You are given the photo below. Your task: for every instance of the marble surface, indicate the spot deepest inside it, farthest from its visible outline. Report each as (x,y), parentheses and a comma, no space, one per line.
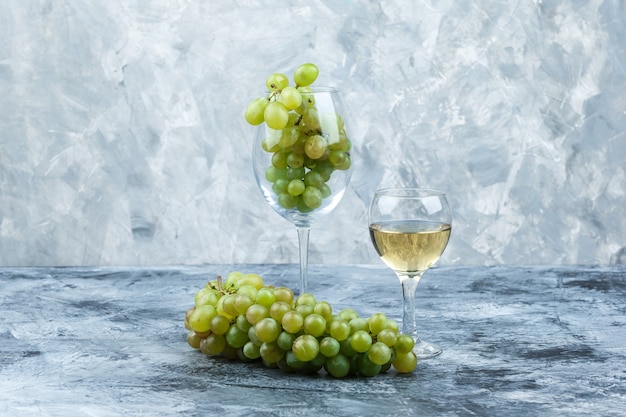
(520,341)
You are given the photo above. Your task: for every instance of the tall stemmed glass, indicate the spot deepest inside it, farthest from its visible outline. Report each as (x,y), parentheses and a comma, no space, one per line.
(410,228)
(304,169)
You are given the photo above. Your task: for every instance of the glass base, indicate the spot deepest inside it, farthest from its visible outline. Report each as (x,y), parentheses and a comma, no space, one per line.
(425,350)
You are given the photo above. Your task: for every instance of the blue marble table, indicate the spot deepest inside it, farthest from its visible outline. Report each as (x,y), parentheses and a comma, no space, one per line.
(524,341)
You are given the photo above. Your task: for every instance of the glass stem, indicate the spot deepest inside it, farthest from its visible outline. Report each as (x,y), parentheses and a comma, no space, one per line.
(303,248)
(409,287)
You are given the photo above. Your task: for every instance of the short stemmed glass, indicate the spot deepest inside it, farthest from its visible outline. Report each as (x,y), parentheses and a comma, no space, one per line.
(410,229)
(304,169)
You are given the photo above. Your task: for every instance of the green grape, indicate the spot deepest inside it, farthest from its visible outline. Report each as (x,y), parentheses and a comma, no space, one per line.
(298,146)
(193,339)
(288,201)
(255,111)
(337,158)
(247,289)
(377,322)
(325,169)
(276,115)
(345,347)
(340,329)
(214,344)
(344,164)
(272,173)
(310,120)
(256,313)
(312,197)
(360,341)
(285,340)
(288,137)
(276,82)
(314,179)
(219,324)
(388,337)
(404,344)
(306,299)
(228,305)
(233,278)
(305,347)
(280,186)
(293,362)
(242,322)
(291,97)
(292,321)
(329,346)
(220,308)
(295,173)
(324,309)
(295,187)
(267,330)
(314,324)
(200,319)
(252,336)
(348,314)
(284,294)
(315,147)
(265,296)
(284,366)
(236,337)
(359,323)
(279,309)
(295,160)
(379,353)
(187,315)
(314,365)
(230,352)
(279,159)
(270,145)
(242,302)
(305,74)
(270,352)
(367,367)
(392,325)
(325,190)
(405,362)
(302,207)
(338,365)
(206,296)
(254,280)
(252,351)
(342,144)
(305,309)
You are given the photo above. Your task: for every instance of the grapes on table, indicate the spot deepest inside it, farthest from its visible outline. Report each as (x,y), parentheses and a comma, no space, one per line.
(245,319)
(306,146)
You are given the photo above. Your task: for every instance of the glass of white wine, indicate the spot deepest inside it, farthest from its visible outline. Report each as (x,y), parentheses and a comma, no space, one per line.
(410,229)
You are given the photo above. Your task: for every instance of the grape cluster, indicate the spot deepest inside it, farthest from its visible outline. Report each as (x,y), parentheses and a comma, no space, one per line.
(244,319)
(306,145)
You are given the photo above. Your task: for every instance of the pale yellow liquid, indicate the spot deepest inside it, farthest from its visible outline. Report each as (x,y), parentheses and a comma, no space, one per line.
(410,246)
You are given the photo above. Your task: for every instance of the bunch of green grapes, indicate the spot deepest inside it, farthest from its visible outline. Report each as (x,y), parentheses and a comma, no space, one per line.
(306,149)
(244,319)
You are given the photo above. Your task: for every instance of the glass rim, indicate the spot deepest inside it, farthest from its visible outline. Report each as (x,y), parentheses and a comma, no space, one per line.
(317,89)
(407,191)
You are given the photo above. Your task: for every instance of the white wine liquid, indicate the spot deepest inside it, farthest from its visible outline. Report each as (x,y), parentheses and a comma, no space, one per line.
(410,246)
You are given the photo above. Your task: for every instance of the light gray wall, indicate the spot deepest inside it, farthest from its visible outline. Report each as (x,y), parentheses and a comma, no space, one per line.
(122,138)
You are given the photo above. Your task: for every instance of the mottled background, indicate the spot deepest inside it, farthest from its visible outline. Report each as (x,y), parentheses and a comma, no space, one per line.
(122,139)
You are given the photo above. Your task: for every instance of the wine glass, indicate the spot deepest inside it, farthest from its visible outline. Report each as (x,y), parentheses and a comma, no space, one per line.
(304,169)
(410,228)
